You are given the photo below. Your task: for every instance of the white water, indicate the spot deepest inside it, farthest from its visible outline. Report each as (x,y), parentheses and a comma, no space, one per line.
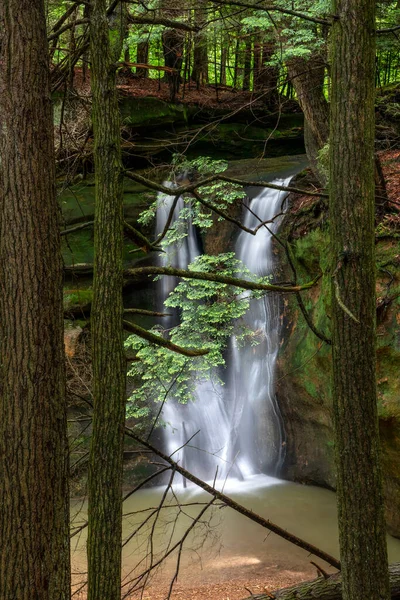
(237,427)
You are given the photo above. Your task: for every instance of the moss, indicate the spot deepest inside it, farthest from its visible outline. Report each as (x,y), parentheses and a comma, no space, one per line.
(305,387)
(145,112)
(77,298)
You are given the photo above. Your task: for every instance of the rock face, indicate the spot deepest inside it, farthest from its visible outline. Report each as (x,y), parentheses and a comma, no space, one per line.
(304,381)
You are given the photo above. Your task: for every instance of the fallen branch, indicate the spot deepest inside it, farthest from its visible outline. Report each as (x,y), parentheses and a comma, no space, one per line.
(76,228)
(147,313)
(325,589)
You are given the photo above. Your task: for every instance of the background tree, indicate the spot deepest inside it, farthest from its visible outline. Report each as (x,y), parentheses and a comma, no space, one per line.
(34,555)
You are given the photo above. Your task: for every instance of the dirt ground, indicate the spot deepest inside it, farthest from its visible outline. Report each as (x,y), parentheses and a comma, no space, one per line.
(237,588)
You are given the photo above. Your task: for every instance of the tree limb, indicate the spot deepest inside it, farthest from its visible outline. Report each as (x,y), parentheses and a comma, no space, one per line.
(240,283)
(160,341)
(139,239)
(158,187)
(261,7)
(170,23)
(76,228)
(147,313)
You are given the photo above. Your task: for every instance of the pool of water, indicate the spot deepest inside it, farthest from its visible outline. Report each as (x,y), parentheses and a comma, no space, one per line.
(223,545)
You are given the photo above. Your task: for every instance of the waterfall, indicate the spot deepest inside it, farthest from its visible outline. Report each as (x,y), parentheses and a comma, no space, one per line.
(236,427)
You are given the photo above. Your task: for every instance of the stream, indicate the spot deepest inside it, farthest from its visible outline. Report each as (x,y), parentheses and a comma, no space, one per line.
(226,546)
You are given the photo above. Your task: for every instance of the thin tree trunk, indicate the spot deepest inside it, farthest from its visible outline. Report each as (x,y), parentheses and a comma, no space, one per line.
(142,57)
(224,60)
(34,551)
(359,486)
(106,449)
(236,65)
(247,64)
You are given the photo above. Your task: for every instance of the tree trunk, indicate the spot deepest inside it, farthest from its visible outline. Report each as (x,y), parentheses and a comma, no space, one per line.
(266,77)
(173,43)
(326,589)
(307,78)
(200,52)
(247,65)
(142,57)
(224,59)
(359,487)
(34,555)
(106,449)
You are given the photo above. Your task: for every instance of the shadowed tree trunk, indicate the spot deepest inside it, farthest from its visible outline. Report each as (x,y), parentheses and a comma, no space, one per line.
(359,486)
(266,76)
(173,43)
(106,449)
(307,78)
(142,57)
(200,55)
(34,554)
(247,64)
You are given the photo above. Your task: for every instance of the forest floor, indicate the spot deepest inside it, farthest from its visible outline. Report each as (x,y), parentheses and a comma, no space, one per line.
(236,588)
(207,96)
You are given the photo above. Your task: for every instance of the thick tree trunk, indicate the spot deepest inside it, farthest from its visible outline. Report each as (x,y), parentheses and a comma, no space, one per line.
(200,52)
(266,76)
(106,449)
(326,589)
(359,486)
(173,45)
(34,552)
(307,78)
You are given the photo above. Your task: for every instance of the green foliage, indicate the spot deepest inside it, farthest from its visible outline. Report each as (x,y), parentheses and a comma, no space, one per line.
(219,194)
(73,298)
(210,314)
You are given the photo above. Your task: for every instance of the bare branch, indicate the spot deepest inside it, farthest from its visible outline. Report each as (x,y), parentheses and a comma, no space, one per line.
(76,228)
(261,7)
(158,187)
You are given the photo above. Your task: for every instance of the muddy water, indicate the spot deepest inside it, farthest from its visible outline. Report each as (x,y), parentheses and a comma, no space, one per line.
(224,546)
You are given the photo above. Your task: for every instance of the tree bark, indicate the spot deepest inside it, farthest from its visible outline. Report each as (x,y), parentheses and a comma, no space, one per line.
(34,554)
(247,64)
(266,77)
(200,51)
(359,486)
(142,58)
(307,78)
(106,449)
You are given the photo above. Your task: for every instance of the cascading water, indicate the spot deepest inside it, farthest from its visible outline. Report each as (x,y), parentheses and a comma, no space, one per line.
(256,426)
(225,420)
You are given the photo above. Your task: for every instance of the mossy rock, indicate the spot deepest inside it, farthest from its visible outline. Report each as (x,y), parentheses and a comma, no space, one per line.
(304,363)
(151,112)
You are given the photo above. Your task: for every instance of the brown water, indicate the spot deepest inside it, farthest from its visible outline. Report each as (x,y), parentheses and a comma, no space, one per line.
(224,545)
